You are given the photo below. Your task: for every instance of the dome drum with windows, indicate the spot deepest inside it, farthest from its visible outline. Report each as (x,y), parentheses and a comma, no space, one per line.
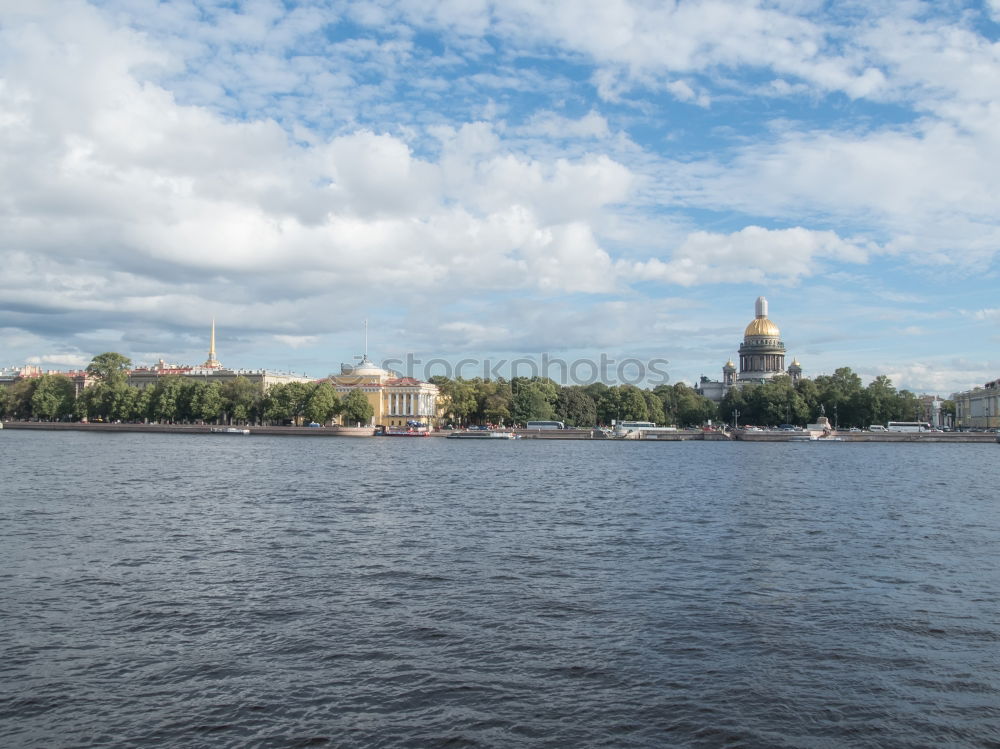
(762,354)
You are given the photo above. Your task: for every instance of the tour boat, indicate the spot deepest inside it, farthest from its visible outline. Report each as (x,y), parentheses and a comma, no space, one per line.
(229,430)
(483,435)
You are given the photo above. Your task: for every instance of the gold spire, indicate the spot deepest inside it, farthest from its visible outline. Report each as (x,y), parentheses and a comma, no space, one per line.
(212,362)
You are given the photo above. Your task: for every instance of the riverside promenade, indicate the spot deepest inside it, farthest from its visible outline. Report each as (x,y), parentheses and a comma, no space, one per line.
(681,435)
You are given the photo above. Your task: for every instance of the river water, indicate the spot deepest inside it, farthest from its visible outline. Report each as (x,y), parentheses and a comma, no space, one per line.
(230,591)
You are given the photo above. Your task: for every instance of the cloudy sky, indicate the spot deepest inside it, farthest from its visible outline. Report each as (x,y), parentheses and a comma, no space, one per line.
(492,179)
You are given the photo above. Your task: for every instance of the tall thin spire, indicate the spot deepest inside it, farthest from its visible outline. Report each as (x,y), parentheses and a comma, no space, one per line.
(366,338)
(212,361)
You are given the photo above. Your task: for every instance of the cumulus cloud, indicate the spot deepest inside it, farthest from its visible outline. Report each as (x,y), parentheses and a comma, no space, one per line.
(282,164)
(753,254)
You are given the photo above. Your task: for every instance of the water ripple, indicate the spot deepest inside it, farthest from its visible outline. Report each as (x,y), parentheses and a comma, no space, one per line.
(363,593)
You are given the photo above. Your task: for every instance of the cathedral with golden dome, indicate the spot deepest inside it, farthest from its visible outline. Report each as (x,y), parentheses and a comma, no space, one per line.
(761,355)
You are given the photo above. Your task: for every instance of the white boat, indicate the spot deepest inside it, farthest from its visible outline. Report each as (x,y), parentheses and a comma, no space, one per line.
(229,430)
(483,435)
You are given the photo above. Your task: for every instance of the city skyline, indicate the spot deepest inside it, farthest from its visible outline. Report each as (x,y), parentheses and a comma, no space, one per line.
(502,179)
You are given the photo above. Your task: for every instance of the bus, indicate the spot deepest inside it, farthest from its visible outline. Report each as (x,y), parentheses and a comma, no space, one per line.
(628,426)
(544,425)
(908,426)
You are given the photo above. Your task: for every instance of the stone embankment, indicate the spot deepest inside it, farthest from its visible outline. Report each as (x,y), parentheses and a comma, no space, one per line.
(777,436)
(190,429)
(681,435)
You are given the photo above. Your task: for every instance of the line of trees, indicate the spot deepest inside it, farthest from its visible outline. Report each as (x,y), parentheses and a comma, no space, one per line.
(841,396)
(177,399)
(522,399)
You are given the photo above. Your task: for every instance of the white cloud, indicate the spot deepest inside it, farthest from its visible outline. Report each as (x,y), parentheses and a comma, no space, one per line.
(297,341)
(553,125)
(989,314)
(61,360)
(157,155)
(753,254)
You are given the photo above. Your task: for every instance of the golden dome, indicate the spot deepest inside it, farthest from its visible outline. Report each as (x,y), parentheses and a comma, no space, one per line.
(761,326)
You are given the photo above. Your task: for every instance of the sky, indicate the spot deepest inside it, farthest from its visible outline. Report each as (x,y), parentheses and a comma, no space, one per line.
(488,181)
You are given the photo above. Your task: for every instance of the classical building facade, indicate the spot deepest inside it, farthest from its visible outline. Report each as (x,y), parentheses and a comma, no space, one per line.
(761,355)
(978,408)
(395,400)
(211,370)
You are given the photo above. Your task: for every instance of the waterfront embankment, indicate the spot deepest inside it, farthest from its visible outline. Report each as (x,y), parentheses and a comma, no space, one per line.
(681,435)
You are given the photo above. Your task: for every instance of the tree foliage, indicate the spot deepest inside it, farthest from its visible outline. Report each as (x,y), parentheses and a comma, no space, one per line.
(356,409)
(53,397)
(322,403)
(110,367)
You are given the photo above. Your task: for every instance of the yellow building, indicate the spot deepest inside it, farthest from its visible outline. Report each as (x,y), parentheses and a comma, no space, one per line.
(394,400)
(978,408)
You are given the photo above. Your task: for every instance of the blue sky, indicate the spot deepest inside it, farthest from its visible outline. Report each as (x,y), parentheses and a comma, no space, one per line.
(489,180)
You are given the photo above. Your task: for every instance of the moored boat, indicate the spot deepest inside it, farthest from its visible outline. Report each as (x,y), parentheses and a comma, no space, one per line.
(483,435)
(229,430)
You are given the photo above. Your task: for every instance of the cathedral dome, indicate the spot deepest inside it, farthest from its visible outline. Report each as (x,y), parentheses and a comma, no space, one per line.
(761,326)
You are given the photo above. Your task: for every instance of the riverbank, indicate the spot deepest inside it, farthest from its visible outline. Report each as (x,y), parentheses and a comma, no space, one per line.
(681,435)
(77,426)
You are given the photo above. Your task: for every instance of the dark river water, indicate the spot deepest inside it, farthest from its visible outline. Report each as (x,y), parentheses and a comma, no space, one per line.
(229,591)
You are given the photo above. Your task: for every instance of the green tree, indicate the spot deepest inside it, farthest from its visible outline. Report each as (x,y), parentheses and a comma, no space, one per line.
(881,401)
(53,397)
(654,408)
(908,407)
(531,403)
(808,391)
(692,409)
(843,396)
(356,409)
(117,400)
(732,409)
(4,402)
(165,402)
(497,402)
(207,403)
(775,402)
(322,403)
(608,405)
(575,407)
(142,405)
(242,399)
(632,404)
(297,394)
(110,368)
(459,398)
(19,397)
(277,404)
